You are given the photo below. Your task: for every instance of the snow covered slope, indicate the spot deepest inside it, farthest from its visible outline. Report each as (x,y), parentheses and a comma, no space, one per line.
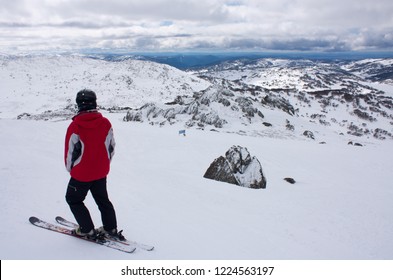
(35,84)
(339,208)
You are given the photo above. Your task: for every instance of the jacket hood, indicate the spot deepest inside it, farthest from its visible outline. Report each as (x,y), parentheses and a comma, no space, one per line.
(88,119)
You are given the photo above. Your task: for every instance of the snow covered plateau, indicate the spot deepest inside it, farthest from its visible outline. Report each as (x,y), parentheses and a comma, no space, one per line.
(327,125)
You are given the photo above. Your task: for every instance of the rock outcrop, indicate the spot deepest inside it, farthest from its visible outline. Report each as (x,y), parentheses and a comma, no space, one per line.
(239,168)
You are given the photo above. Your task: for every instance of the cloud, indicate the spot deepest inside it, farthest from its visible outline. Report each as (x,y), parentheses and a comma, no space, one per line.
(324,25)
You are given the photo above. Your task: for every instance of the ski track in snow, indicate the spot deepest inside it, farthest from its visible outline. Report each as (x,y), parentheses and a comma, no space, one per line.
(340,207)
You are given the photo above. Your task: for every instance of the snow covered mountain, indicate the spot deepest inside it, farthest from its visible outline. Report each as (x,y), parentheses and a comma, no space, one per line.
(33,85)
(380,70)
(271,97)
(262,97)
(339,208)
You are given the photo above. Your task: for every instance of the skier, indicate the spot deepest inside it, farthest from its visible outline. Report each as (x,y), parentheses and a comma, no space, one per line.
(89,148)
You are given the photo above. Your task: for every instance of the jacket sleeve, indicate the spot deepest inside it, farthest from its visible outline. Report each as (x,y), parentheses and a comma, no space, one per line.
(72,148)
(110,144)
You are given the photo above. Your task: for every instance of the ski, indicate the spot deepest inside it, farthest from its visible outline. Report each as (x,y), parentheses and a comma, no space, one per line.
(105,242)
(73,225)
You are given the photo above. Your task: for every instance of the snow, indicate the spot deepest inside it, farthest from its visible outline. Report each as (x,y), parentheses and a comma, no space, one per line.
(385,87)
(340,207)
(39,83)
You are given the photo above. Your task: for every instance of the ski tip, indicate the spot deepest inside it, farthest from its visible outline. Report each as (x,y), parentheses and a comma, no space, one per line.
(33,219)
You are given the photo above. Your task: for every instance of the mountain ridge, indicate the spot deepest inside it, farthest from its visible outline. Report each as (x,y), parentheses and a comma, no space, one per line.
(260,97)
(321,95)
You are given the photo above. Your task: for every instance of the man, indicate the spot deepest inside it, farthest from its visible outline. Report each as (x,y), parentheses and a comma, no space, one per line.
(89,148)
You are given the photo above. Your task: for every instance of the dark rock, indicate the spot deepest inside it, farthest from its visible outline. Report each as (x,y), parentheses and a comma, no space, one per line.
(220,170)
(364,115)
(289,126)
(355,144)
(238,158)
(290,180)
(309,134)
(278,102)
(237,167)
(382,134)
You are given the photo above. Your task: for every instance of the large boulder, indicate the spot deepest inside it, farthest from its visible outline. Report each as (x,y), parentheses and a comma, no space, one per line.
(237,167)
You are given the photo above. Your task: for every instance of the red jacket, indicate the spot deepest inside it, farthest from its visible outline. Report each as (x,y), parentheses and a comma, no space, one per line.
(89,147)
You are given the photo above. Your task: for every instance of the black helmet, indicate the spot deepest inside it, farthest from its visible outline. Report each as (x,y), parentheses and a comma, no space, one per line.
(86,99)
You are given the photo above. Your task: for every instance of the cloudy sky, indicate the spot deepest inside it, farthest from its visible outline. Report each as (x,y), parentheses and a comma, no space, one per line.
(196,25)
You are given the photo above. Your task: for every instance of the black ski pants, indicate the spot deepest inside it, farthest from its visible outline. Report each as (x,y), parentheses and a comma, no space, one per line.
(76,194)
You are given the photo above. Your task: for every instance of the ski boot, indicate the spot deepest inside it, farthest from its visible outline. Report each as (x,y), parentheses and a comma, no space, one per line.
(92,235)
(114,234)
